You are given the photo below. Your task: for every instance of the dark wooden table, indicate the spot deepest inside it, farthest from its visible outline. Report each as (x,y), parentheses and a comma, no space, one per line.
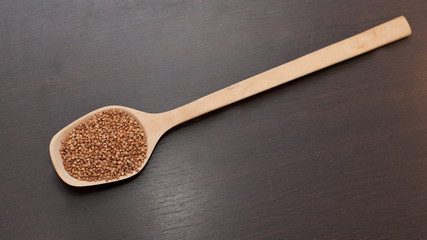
(339,154)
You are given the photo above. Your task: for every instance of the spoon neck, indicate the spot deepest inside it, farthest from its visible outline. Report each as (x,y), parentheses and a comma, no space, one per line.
(177,116)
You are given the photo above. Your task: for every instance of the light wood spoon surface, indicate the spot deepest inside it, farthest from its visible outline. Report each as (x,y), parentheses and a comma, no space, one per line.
(156,124)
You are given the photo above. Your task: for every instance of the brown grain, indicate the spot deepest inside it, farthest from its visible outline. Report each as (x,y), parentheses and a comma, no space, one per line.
(109,145)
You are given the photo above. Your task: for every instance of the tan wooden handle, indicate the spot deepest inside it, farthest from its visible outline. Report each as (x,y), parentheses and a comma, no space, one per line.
(378,36)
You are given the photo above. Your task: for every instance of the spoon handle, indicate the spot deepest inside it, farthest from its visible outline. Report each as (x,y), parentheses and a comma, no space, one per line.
(366,41)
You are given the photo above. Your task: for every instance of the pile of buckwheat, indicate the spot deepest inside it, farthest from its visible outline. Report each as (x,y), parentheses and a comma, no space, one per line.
(109,145)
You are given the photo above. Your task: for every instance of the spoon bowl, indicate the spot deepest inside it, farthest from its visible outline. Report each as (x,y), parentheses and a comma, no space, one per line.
(156,124)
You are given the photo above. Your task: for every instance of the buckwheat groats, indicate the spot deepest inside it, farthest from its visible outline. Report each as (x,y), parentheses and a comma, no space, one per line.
(109,145)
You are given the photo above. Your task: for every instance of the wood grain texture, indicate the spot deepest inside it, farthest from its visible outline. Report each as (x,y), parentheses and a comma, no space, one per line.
(339,154)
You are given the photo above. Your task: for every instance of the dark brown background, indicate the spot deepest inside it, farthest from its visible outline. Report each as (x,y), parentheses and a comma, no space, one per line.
(339,154)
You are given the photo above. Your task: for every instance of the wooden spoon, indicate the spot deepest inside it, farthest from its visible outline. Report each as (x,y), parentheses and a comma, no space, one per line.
(156,124)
